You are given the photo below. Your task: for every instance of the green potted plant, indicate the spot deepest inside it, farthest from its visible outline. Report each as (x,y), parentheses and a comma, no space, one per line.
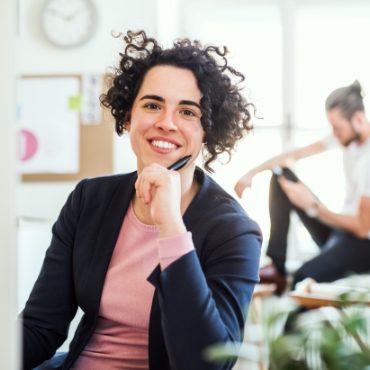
(328,338)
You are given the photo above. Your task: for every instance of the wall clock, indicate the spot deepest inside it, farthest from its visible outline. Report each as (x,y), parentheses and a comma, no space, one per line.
(68,23)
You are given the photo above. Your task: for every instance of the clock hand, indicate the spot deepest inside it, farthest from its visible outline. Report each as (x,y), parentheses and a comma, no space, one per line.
(77,13)
(59,14)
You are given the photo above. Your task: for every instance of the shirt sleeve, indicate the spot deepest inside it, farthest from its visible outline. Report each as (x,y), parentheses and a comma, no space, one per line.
(330,141)
(366,191)
(173,247)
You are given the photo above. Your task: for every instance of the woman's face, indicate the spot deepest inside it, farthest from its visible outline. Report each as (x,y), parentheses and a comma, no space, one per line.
(165,118)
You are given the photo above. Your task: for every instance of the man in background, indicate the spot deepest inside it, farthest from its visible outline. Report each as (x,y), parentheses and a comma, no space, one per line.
(343,238)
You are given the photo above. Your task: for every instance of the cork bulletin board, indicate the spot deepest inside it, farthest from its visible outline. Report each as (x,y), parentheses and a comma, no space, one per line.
(95,142)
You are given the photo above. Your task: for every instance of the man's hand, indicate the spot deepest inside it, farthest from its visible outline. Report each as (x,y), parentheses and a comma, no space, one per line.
(243,183)
(298,193)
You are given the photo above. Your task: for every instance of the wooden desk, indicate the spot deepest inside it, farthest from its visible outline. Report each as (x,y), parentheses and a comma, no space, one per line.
(312,300)
(264,290)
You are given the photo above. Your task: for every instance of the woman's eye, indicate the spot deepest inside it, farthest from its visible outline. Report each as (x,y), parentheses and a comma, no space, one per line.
(188,112)
(151,106)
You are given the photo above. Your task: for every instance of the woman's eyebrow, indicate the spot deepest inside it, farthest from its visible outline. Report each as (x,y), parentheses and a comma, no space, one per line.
(159,98)
(189,102)
(154,97)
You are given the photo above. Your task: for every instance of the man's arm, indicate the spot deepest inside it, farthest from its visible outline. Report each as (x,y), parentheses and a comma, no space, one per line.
(282,159)
(359,224)
(303,198)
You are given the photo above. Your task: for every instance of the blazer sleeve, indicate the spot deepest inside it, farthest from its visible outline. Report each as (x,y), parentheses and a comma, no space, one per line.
(52,305)
(204,296)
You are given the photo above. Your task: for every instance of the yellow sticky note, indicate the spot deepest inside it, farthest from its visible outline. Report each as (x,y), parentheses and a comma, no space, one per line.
(74,102)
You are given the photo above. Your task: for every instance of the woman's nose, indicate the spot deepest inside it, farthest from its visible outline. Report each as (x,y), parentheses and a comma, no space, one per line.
(166,122)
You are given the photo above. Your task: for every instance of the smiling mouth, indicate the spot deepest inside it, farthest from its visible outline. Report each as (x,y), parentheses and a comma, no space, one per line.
(165,145)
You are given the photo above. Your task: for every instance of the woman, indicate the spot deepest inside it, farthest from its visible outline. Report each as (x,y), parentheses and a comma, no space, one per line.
(163,263)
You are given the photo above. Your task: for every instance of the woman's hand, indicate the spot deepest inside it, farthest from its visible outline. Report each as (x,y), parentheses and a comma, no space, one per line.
(160,190)
(243,183)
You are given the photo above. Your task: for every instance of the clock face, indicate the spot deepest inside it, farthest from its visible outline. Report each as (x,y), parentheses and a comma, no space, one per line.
(69,23)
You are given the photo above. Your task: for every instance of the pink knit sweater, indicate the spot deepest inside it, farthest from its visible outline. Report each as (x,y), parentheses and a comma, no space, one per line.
(120,340)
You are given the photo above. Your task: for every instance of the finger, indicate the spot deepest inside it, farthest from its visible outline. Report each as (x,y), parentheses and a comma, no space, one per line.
(137,187)
(150,179)
(286,183)
(146,189)
(238,190)
(241,188)
(282,181)
(139,184)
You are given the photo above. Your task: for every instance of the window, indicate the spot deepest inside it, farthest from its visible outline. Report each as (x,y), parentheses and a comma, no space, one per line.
(324,43)
(252,33)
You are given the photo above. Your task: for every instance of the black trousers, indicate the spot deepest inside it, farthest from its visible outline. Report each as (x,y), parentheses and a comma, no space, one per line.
(341,253)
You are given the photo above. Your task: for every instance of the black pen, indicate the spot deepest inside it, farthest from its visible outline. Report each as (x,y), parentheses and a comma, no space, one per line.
(180,163)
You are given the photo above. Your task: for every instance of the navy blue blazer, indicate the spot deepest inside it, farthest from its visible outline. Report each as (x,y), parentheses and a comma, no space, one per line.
(200,299)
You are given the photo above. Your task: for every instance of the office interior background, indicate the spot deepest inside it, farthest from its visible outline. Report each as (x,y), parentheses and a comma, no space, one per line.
(292,52)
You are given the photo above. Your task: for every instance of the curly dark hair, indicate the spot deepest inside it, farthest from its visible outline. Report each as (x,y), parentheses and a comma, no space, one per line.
(225,112)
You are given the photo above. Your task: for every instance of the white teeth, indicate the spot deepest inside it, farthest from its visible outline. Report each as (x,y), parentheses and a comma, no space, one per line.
(163,144)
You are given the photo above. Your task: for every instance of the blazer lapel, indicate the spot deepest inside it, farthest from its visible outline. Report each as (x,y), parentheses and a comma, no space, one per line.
(110,227)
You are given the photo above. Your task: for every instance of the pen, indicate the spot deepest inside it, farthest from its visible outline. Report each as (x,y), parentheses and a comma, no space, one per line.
(180,163)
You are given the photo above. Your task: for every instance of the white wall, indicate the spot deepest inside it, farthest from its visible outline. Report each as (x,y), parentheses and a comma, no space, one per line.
(9,332)
(38,56)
